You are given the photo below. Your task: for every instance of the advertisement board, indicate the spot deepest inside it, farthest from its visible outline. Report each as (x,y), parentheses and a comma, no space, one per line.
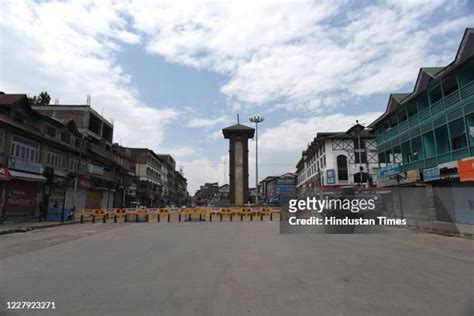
(21,199)
(466,170)
(331,176)
(55,203)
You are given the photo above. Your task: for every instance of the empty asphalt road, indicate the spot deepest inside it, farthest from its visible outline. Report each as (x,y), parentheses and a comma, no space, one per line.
(235,268)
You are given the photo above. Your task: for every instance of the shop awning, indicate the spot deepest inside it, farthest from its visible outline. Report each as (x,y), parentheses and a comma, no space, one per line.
(26,176)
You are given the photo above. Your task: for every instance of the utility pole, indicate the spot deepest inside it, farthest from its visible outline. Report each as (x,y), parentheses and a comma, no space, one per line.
(256,120)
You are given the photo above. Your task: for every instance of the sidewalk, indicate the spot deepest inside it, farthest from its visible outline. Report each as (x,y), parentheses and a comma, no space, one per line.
(22,227)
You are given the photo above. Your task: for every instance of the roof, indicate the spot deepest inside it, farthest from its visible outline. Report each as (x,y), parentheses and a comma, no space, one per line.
(238,129)
(400,96)
(9,99)
(425,74)
(432,71)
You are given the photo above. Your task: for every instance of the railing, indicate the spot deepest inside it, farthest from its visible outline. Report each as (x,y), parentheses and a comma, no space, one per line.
(452,98)
(403,126)
(437,106)
(413,120)
(444,158)
(467,90)
(460,153)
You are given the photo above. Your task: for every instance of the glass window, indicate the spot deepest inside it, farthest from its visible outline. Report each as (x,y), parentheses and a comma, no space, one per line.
(342,167)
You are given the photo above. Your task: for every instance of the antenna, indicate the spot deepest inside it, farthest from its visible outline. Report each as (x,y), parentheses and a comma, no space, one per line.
(88,99)
(238,120)
(56,101)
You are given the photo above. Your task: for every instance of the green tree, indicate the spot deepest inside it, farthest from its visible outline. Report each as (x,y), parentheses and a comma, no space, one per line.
(42,99)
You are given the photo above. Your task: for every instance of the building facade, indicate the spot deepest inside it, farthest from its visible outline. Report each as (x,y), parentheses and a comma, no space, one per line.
(335,160)
(426,137)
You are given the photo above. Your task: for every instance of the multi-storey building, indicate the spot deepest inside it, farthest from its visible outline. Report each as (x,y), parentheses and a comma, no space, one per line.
(169,196)
(426,137)
(43,160)
(338,159)
(181,189)
(148,169)
(273,188)
(206,195)
(100,183)
(126,192)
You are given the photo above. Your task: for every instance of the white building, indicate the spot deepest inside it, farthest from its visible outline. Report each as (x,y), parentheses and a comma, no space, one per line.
(338,159)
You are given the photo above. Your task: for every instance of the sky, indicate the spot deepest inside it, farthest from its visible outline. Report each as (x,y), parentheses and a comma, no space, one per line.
(171,74)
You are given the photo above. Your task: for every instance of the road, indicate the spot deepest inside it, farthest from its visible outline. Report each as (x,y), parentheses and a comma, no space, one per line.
(240,268)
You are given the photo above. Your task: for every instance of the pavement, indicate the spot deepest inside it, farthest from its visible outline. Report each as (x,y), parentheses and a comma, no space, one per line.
(22,227)
(239,268)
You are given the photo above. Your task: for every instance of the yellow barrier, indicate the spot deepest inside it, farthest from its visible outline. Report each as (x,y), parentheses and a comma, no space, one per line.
(183,214)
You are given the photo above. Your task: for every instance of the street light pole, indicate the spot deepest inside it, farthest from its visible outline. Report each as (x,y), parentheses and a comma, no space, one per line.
(256,120)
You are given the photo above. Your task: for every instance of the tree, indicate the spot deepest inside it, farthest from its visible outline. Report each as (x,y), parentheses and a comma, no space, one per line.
(42,99)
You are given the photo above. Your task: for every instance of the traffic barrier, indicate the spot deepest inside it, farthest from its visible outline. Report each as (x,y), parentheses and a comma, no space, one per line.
(190,214)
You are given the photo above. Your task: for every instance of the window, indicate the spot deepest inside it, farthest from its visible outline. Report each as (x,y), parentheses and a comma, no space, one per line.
(435,94)
(2,139)
(342,168)
(458,134)
(56,160)
(65,137)
(360,155)
(442,140)
(450,85)
(24,148)
(50,130)
(356,143)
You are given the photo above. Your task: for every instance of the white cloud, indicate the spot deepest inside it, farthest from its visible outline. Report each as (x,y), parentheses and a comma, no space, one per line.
(204,122)
(300,54)
(201,170)
(68,49)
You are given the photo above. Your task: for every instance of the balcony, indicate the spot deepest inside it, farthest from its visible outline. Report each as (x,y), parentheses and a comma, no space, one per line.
(99,149)
(97,170)
(109,175)
(457,100)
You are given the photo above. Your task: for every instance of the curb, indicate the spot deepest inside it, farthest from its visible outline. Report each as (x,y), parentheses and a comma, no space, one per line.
(29,228)
(441,232)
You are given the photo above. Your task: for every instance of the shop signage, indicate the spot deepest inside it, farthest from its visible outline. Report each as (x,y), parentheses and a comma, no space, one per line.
(84,183)
(466,170)
(24,165)
(389,170)
(55,203)
(431,174)
(331,176)
(21,199)
(5,174)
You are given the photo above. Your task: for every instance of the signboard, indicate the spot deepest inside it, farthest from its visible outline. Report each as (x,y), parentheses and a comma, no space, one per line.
(389,170)
(431,174)
(466,170)
(331,176)
(24,165)
(55,203)
(21,199)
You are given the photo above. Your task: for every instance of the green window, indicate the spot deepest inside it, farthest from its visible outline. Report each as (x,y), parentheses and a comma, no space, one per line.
(458,134)
(442,140)
(429,145)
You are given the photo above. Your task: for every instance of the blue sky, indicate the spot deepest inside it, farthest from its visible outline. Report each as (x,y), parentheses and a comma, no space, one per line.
(172,74)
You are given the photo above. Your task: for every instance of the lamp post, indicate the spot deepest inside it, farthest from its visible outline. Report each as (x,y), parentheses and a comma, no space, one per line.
(256,120)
